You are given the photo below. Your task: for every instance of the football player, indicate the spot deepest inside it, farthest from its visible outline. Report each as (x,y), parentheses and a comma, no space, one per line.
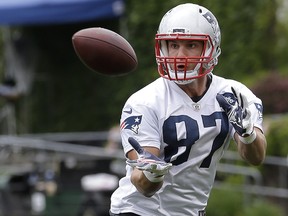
(175,130)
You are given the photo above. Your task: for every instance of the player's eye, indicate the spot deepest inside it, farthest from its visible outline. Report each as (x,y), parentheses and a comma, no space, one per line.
(195,44)
(172,45)
(191,45)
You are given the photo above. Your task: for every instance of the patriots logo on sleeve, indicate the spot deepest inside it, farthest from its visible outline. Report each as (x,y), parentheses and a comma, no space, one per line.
(132,123)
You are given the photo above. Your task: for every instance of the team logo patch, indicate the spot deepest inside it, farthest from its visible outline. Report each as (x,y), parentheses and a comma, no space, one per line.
(230,98)
(132,123)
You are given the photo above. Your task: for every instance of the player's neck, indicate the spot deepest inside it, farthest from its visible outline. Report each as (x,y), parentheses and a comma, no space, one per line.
(197,88)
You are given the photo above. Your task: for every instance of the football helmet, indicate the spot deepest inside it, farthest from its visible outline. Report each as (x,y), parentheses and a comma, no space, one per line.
(187,22)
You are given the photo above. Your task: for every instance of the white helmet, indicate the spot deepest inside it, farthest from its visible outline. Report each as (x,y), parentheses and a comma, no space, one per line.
(188,22)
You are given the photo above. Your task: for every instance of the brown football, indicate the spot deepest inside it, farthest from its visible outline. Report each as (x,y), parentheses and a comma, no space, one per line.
(104,51)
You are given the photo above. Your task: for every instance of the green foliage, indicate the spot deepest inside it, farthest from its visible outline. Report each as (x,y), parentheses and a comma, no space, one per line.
(229,203)
(277,136)
(224,203)
(261,208)
(246,26)
(282,32)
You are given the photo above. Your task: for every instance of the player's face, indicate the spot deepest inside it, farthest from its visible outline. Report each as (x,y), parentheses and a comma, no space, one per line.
(182,49)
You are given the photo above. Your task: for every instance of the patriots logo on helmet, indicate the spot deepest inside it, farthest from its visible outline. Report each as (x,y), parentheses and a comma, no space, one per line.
(211,19)
(132,123)
(214,24)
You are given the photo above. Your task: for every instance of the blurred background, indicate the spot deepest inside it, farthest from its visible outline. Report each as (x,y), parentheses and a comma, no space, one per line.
(59,145)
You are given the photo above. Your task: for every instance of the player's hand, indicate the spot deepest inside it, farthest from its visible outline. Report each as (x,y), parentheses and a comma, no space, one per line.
(238,114)
(153,167)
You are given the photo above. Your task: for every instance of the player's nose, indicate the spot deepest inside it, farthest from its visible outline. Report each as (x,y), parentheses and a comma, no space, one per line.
(180,63)
(182,51)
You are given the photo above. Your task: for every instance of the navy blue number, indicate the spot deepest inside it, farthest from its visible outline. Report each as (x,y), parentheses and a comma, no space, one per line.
(210,121)
(178,149)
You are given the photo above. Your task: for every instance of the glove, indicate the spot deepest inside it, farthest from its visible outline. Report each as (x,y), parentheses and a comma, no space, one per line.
(153,167)
(239,115)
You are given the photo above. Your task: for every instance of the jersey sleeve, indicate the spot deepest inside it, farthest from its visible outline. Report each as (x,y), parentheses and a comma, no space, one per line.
(139,120)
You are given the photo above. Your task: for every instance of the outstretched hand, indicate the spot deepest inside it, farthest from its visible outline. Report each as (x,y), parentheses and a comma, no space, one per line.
(153,167)
(238,113)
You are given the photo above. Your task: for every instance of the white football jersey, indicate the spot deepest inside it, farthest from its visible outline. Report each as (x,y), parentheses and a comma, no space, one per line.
(190,135)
